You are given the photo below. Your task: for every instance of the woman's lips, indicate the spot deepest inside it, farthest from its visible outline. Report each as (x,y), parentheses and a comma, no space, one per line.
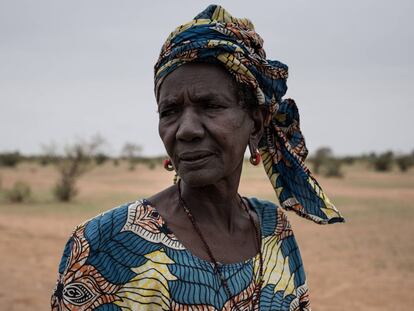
(193,157)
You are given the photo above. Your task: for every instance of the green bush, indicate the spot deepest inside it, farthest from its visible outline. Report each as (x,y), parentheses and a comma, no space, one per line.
(19,193)
(325,163)
(45,160)
(332,168)
(383,162)
(348,160)
(101,158)
(322,155)
(404,162)
(10,159)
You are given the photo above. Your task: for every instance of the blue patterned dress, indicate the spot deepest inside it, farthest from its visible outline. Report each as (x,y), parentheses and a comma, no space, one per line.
(128,259)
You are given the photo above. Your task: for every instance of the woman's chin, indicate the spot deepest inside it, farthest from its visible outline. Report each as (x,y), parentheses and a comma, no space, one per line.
(199,178)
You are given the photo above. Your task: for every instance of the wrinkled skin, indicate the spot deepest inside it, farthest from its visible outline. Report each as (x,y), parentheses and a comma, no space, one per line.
(203,126)
(205,130)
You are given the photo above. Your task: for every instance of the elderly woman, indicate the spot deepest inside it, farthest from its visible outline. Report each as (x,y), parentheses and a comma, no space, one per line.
(199,245)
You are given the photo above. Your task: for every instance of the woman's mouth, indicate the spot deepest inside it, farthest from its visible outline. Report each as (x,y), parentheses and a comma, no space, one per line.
(194,156)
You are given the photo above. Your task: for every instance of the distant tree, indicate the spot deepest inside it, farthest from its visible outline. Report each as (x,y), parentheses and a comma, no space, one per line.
(77,160)
(383,162)
(49,154)
(321,156)
(326,164)
(371,157)
(332,168)
(10,159)
(348,160)
(101,158)
(131,152)
(404,162)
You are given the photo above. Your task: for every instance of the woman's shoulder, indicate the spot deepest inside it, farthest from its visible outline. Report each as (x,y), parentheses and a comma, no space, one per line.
(264,209)
(273,218)
(103,226)
(116,220)
(109,250)
(119,238)
(135,222)
(261,205)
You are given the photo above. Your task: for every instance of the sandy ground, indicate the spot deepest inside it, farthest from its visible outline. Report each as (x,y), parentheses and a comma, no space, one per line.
(365,264)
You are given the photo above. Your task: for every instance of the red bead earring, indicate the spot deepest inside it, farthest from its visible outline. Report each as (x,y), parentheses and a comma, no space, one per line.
(255,158)
(168,165)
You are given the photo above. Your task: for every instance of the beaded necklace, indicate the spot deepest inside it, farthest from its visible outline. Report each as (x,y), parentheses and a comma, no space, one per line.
(216,266)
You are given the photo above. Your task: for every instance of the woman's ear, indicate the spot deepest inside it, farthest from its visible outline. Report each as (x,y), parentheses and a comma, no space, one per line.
(256,134)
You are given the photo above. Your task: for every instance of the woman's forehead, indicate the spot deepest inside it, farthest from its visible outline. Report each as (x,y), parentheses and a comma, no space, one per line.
(198,80)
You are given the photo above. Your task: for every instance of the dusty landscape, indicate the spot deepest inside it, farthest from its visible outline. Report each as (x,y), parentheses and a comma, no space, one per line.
(365,264)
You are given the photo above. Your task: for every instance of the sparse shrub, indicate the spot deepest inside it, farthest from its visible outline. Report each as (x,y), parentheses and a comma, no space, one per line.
(71,167)
(370,158)
(65,189)
(49,154)
(131,152)
(332,168)
(326,164)
(115,162)
(101,158)
(10,159)
(321,156)
(19,193)
(76,162)
(383,162)
(348,160)
(404,162)
(45,160)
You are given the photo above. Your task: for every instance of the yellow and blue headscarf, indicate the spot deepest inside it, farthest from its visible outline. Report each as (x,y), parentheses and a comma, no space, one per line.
(215,35)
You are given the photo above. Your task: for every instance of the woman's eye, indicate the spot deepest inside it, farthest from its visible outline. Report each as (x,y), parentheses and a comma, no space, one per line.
(168,112)
(214,106)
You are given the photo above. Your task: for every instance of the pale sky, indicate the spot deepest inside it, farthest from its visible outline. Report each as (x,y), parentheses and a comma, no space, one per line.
(71,69)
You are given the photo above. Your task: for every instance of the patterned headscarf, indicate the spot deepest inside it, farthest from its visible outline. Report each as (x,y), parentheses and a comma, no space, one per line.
(216,36)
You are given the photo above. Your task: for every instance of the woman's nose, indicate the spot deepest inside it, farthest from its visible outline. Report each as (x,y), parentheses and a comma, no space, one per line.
(190,126)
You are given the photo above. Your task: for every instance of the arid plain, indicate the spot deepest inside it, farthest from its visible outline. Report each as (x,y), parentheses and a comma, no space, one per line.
(365,264)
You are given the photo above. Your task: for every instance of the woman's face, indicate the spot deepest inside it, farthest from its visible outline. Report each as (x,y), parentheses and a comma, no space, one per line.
(204,128)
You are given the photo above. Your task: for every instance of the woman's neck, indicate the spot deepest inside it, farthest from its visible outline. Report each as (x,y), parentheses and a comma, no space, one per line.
(218,204)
